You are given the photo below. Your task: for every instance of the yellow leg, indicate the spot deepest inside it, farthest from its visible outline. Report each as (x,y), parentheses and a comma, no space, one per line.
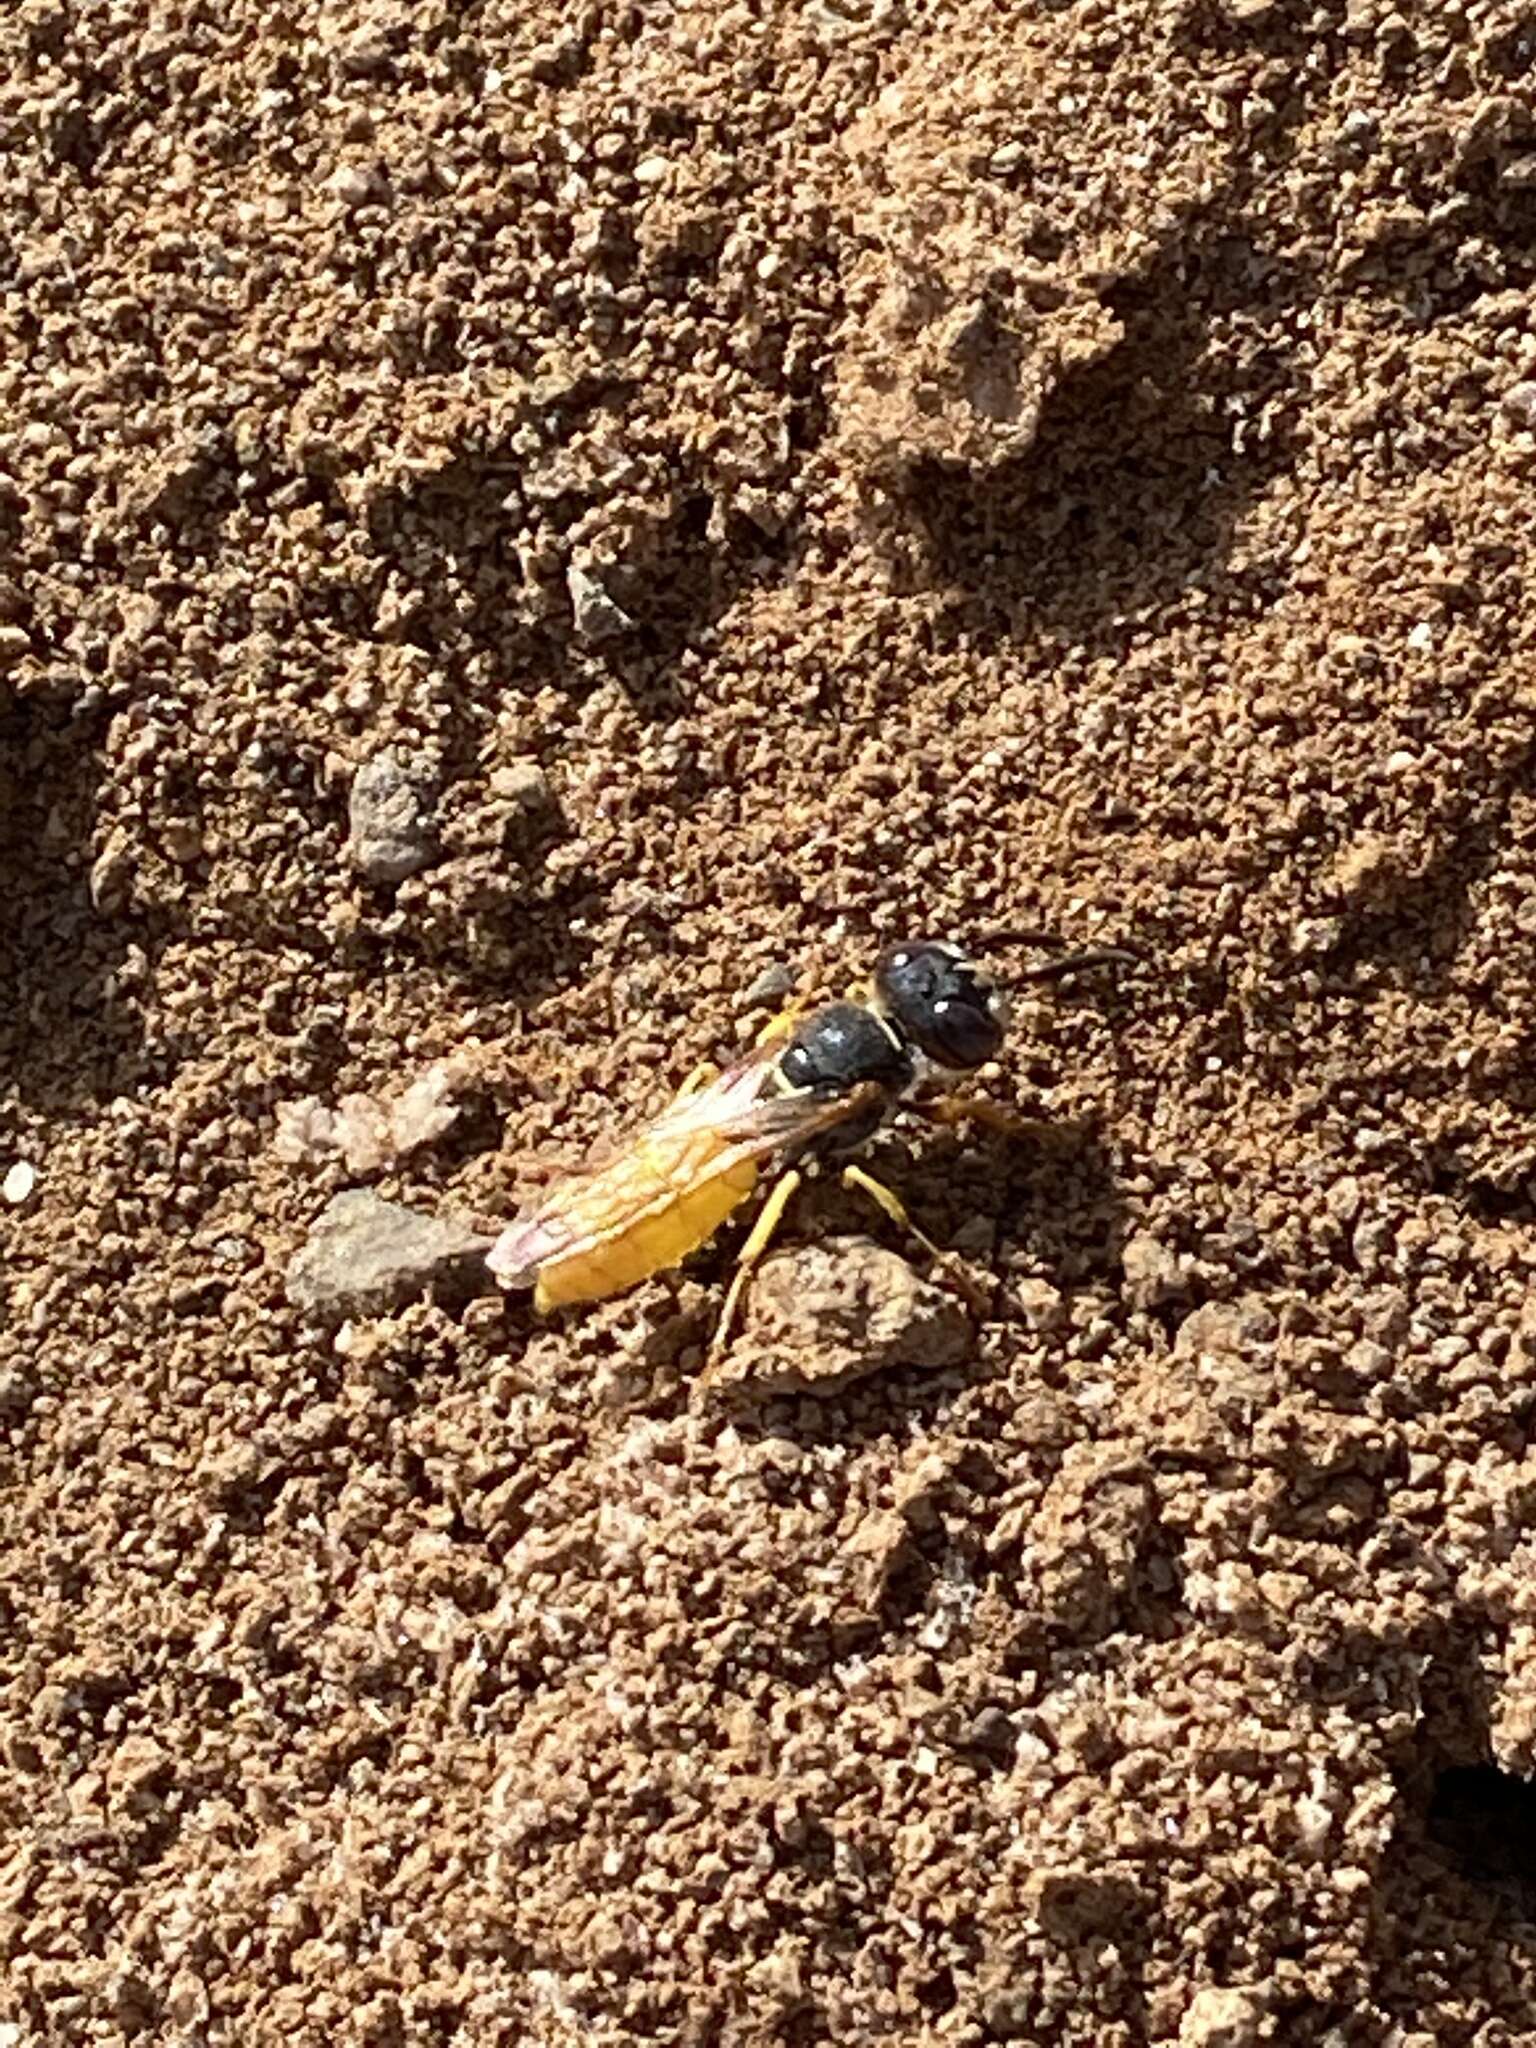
(784,1023)
(769,1217)
(699,1077)
(891,1204)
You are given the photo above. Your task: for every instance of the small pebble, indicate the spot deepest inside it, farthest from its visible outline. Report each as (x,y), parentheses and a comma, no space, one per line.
(597,617)
(775,984)
(992,1732)
(1154,1273)
(112,872)
(352,185)
(825,1315)
(1359,128)
(1218,2018)
(19,1183)
(521,784)
(1042,1305)
(365,1256)
(391,834)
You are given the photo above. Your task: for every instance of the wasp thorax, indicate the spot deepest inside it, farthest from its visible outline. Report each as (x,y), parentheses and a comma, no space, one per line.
(839,1051)
(842,1045)
(942,1002)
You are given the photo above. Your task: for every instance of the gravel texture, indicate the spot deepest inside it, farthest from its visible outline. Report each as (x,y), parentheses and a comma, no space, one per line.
(802,475)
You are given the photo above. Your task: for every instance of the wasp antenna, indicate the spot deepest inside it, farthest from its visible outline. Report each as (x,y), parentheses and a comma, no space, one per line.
(1072,963)
(1021,935)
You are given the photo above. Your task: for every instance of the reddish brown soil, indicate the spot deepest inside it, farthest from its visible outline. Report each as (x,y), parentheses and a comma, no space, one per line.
(1062,466)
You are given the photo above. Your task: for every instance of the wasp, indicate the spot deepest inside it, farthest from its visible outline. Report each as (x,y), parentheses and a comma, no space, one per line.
(817,1085)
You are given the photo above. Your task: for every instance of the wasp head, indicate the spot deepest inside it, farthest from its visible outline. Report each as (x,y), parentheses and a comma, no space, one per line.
(942,1002)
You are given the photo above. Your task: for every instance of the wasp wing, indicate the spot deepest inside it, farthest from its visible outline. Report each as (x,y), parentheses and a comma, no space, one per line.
(700,1137)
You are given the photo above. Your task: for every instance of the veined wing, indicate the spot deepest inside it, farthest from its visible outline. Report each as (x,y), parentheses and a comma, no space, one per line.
(702,1138)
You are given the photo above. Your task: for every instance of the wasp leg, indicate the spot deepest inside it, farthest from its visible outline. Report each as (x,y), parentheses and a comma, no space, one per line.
(891,1204)
(769,1217)
(697,1078)
(784,1023)
(953,1110)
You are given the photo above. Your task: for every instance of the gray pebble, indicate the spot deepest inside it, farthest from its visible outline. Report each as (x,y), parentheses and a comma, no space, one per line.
(365,1256)
(774,985)
(1154,1274)
(352,185)
(391,832)
(596,616)
(992,1732)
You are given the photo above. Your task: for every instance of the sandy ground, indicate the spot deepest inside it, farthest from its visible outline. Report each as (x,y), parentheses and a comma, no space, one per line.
(778,478)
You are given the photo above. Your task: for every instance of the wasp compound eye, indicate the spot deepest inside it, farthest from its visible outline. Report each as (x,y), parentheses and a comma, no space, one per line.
(943,1003)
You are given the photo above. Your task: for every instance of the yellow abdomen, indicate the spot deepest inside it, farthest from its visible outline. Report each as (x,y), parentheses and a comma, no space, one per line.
(660,1208)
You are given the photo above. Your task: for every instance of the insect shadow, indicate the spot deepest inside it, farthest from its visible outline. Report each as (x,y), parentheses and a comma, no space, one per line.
(1051,1209)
